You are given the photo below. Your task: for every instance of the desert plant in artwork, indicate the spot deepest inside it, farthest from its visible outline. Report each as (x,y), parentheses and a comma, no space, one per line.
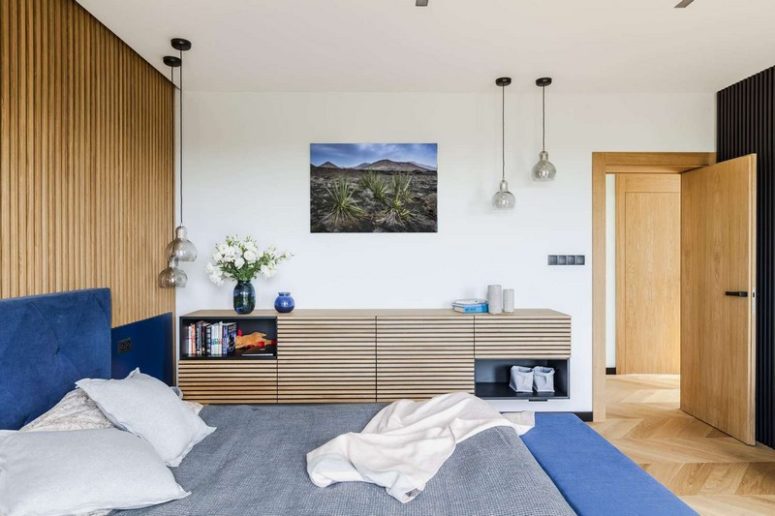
(371,188)
(342,209)
(376,185)
(397,212)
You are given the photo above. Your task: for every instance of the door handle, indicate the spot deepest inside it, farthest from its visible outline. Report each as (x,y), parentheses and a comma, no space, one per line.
(736,293)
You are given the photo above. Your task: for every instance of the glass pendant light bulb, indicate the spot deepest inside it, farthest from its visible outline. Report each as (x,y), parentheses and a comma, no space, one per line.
(503,199)
(172,277)
(544,170)
(181,247)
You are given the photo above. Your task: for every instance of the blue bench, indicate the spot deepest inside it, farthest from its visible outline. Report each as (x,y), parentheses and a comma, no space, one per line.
(593,476)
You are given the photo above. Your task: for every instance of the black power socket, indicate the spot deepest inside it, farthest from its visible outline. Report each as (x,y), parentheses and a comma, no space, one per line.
(124,345)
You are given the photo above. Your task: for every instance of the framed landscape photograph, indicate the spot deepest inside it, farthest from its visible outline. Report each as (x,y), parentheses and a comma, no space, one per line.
(373,187)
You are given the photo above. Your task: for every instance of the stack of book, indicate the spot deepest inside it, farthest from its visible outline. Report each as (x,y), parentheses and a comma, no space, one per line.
(209,339)
(470,306)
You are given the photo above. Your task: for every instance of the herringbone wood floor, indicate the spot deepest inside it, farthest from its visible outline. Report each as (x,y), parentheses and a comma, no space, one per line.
(714,473)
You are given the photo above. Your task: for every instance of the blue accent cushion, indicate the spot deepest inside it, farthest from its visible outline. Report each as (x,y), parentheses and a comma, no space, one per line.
(595,477)
(47,343)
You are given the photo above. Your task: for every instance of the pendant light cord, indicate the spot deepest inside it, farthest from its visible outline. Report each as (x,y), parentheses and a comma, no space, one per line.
(180,143)
(543,118)
(503,133)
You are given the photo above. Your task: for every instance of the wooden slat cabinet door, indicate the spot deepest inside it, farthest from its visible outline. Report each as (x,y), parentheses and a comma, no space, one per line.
(228,381)
(420,357)
(326,359)
(538,334)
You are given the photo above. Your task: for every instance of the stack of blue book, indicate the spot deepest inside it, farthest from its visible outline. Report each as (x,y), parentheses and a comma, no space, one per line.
(470,306)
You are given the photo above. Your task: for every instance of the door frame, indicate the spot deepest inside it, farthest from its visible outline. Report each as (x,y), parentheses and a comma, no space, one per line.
(604,163)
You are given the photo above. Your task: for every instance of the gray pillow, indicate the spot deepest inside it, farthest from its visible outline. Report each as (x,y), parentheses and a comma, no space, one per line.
(148,408)
(53,473)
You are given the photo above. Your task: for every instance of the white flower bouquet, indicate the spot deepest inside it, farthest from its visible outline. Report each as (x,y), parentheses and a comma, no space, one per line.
(240,260)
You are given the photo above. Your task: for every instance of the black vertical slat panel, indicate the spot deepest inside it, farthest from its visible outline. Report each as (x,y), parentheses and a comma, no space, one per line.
(745,125)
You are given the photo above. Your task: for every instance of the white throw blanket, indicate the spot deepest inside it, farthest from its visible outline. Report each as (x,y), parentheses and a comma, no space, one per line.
(405,444)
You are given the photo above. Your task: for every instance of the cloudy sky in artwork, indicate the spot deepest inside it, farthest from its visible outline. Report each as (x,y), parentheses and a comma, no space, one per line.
(351,154)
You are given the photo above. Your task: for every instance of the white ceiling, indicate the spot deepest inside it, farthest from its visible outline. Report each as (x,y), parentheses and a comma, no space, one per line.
(452,45)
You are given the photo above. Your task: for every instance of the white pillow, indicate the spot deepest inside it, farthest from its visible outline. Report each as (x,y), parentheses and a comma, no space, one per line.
(53,473)
(146,407)
(76,411)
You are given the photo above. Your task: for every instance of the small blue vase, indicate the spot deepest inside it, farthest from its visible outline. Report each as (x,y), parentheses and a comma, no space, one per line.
(244,297)
(284,303)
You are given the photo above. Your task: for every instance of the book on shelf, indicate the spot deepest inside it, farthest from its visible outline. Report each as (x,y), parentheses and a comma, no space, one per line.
(470,306)
(469,302)
(204,339)
(471,309)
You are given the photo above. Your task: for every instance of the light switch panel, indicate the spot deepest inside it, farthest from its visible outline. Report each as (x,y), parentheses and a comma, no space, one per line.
(566,259)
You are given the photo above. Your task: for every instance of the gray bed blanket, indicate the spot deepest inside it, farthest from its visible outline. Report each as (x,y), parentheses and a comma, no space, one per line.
(254,464)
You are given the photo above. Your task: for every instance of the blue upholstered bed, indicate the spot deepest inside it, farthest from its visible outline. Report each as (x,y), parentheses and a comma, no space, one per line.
(48,342)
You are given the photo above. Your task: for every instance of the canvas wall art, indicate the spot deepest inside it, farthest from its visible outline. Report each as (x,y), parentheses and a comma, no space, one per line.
(373,187)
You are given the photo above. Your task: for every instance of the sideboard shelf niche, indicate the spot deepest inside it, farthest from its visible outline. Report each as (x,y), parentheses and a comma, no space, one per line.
(358,356)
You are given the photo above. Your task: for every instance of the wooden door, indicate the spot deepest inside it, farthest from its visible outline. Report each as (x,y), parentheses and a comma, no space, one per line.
(717,298)
(648,273)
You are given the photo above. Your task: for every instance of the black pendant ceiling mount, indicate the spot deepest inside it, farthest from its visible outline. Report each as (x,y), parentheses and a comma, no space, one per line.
(172,61)
(180,44)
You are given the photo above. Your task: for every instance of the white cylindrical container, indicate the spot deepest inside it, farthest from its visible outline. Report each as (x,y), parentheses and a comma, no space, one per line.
(495,299)
(508,300)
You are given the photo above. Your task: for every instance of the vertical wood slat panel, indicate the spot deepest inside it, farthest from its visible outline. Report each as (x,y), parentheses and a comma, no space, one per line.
(86,160)
(746,125)
(422,357)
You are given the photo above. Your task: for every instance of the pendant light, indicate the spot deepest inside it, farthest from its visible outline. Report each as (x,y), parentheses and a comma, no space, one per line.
(503,198)
(180,249)
(543,170)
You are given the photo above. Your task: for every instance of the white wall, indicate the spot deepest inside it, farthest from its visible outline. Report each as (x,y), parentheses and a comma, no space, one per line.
(610,270)
(247,171)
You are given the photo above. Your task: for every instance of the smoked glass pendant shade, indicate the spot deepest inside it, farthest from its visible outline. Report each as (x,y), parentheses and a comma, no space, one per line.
(172,277)
(503,198)
(181,247)
(544,170)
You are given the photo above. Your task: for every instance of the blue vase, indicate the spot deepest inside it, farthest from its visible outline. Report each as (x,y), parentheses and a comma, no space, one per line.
(244,297)
(284,303)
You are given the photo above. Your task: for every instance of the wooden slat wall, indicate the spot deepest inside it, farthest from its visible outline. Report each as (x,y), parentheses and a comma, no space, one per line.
(326,359)
(86,160)
(422,357)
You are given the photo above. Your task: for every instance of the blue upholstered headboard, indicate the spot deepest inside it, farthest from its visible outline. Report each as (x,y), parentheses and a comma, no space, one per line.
(47,343)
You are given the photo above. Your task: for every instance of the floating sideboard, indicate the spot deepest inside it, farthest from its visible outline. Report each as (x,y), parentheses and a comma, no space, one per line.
(358,356)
